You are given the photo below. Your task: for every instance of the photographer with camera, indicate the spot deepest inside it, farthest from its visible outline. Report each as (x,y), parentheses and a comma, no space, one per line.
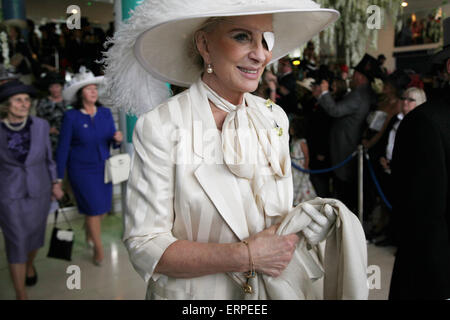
(349,116)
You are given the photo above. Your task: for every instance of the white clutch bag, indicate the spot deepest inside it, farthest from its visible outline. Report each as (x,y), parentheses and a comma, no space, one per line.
(117,168)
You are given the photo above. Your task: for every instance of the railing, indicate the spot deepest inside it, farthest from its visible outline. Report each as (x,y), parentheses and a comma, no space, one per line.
(362,154)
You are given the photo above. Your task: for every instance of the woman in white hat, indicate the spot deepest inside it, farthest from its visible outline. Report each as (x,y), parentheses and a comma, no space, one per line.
(211,174)
(87,133)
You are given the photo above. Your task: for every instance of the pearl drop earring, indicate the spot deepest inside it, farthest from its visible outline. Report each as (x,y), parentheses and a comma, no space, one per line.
(209,69)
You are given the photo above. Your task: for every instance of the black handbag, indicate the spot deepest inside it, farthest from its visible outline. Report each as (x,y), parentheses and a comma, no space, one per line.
(61,242)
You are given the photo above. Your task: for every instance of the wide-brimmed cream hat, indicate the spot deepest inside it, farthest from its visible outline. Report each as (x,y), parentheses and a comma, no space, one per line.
(159,35)
(79,81)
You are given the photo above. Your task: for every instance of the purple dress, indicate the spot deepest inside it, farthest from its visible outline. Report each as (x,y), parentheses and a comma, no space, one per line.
(27,171)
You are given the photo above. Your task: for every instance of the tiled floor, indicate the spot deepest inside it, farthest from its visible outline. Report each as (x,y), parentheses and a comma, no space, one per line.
(116,279)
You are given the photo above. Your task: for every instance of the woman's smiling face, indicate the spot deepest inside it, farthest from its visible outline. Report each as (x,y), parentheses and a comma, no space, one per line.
(238,51)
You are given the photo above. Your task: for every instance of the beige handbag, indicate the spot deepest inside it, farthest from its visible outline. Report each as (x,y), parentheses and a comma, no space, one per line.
(117,168)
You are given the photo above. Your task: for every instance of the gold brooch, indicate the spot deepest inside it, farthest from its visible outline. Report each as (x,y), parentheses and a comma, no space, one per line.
(269,104)
(279,129)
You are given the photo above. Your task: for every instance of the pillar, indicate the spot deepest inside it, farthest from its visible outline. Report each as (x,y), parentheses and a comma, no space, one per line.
(14,12)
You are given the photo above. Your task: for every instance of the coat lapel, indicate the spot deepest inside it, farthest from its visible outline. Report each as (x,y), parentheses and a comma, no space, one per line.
(34,132)
(213,175)
(205,134)
(4,145)
(221,187)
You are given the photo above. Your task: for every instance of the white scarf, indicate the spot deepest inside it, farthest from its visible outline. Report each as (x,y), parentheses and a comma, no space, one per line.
(244,128)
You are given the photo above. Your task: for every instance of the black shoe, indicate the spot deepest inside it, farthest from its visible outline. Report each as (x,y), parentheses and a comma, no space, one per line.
(31,281)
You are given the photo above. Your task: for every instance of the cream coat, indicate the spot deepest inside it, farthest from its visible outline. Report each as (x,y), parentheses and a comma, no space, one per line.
(179,188)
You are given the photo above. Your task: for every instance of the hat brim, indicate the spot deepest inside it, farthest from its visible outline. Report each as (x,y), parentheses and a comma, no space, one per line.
(9,77)
(22,88)
(163,50)
(70,92)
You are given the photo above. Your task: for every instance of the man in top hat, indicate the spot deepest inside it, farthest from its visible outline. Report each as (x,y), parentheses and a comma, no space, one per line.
(349,116)
(421,204)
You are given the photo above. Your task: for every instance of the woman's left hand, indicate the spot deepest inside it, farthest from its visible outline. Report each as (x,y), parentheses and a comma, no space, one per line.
(320,225)
(57,192)
(118,137)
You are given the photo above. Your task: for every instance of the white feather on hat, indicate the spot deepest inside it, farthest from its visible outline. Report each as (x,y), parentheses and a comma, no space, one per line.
(152,46)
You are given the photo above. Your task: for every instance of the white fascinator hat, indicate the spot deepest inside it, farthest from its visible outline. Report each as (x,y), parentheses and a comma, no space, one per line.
(154,45)
(79,81)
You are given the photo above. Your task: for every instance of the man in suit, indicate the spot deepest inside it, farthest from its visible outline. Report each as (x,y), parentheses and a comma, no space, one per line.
(349,117)
(287,94)
(421,205)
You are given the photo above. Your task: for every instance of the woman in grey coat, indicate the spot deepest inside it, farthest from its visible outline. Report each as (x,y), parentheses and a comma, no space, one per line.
(28,183)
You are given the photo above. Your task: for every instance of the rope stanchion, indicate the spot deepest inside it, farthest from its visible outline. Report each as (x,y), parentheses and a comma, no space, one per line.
(325,170)
(377,184)
(369,165)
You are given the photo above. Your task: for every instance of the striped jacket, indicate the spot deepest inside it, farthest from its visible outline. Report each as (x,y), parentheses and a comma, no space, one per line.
(179,188)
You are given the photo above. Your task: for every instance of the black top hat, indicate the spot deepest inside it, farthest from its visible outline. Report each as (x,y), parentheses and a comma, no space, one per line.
(399,80)
(369,67)
(444,54)
(11,88)
(53,77)
(50,78)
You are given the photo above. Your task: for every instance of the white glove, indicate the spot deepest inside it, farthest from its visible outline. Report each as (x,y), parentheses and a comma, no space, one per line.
(320,225)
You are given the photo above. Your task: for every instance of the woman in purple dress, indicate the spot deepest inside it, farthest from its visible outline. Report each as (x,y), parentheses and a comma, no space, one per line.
(28,182)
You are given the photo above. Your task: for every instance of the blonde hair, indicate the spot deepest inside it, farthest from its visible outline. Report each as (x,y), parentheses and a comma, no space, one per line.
(417,94)
(207,27)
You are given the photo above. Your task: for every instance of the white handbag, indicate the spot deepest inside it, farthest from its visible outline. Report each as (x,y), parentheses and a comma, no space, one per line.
(117,168)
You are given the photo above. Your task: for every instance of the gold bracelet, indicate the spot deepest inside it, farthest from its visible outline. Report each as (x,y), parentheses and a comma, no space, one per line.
(251,273)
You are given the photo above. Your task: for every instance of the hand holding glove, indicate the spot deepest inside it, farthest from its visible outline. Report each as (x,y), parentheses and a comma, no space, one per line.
(320,225)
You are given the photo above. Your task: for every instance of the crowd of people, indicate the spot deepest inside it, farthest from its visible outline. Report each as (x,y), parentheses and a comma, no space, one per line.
(419,31)
(336,114)
(67,139)
(52,47)
(329,114)
(49,86)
